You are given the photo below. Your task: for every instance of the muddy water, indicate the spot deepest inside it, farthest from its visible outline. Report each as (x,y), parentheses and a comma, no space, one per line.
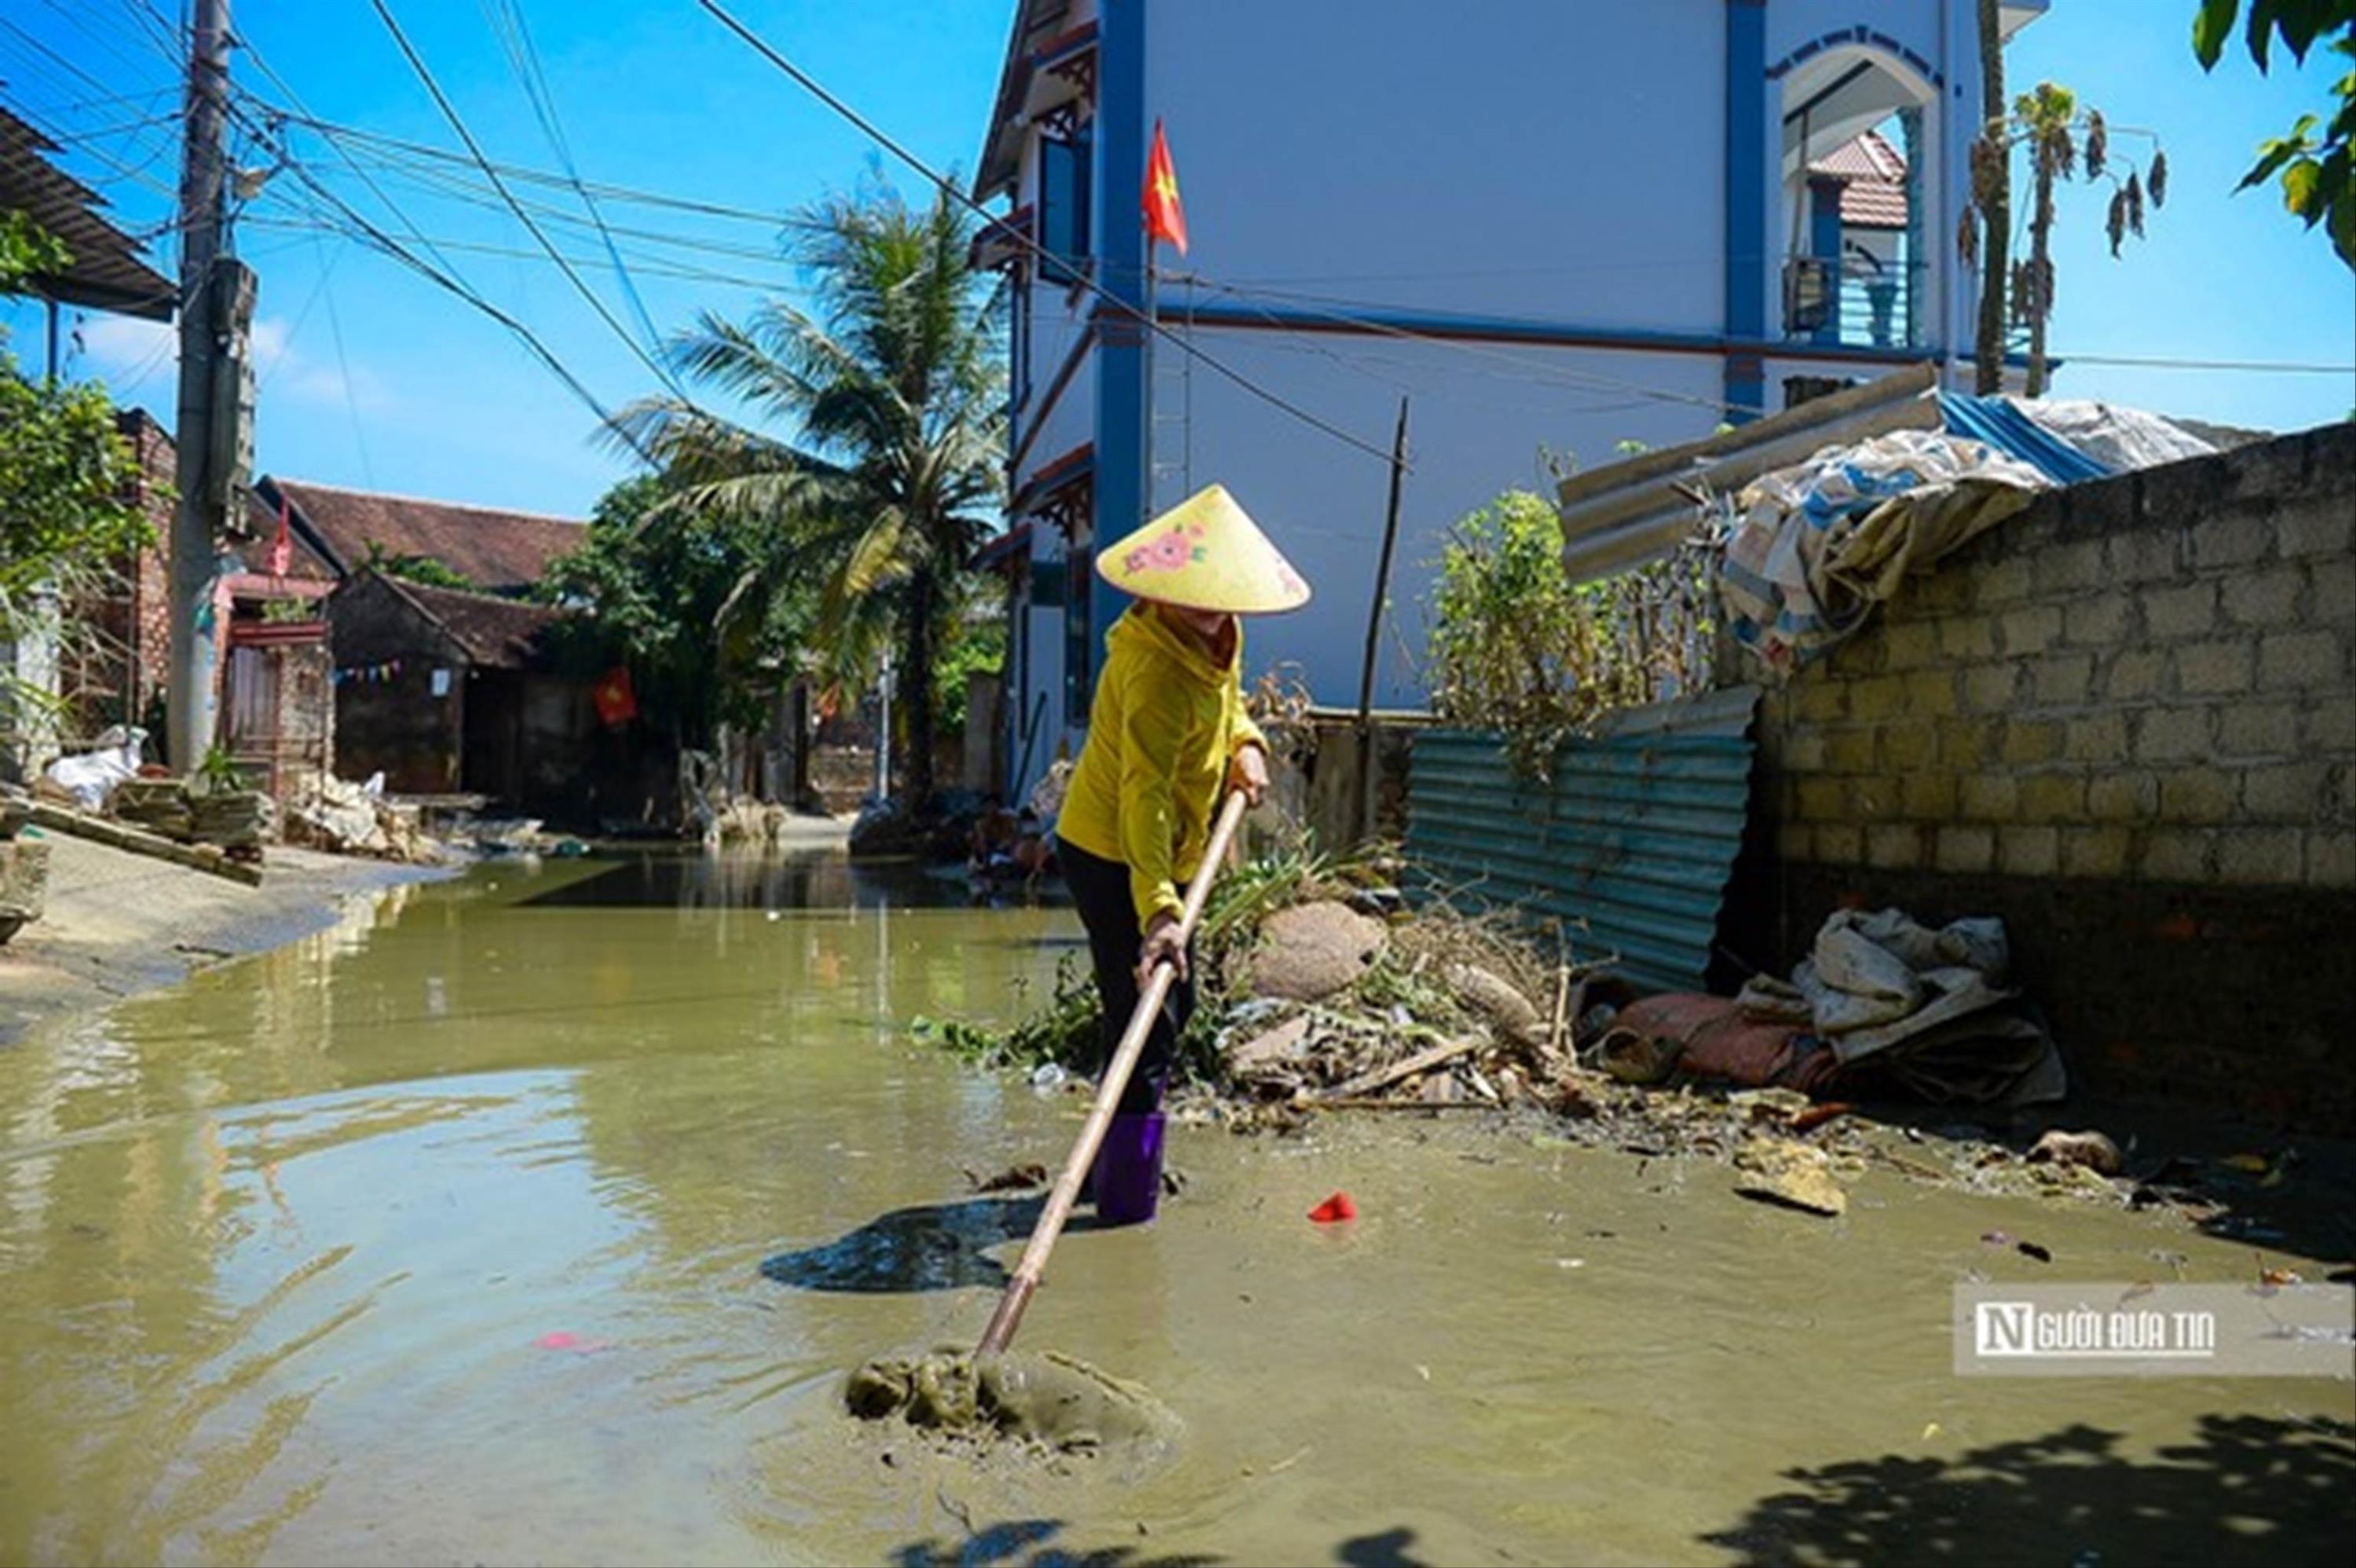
(537,1217)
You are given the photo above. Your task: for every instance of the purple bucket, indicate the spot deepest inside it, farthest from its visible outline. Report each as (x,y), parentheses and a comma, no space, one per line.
(1129,1170)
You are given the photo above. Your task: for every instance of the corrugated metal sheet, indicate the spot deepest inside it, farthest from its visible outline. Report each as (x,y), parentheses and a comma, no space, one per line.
(1636,837)
(1627,513)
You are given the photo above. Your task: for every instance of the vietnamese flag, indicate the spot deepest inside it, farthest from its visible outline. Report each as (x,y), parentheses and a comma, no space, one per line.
(616,703)
(1165,216)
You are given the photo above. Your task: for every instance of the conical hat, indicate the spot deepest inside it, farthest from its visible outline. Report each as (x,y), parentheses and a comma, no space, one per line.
(1204,553)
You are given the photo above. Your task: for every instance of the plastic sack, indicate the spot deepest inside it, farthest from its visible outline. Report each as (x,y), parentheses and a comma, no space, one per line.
(91,777)
(1852,981)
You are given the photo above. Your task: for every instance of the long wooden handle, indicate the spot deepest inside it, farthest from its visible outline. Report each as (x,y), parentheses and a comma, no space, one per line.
(1067,1192)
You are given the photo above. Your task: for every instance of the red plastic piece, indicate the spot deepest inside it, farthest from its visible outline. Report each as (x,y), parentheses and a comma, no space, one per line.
(1334,1210)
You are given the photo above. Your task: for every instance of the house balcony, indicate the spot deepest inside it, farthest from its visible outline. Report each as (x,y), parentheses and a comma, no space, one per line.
(1855,303)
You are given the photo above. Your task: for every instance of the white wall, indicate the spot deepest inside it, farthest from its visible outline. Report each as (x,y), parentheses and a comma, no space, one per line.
(1475,426)
(1533,159)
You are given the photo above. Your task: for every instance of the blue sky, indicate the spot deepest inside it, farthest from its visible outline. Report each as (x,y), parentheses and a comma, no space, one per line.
(375,378)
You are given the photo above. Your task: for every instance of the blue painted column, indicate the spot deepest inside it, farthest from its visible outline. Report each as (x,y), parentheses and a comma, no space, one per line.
(1917,273)
(1825,245)
(1122,399)
(1746,204)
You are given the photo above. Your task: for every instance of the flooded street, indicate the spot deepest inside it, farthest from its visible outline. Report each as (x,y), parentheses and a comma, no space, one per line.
(537,1216)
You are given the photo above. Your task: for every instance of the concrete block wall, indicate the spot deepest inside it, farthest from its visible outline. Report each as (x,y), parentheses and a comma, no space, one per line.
(2127,717)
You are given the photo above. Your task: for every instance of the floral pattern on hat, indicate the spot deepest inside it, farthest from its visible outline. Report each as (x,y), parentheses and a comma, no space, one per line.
(1166,552)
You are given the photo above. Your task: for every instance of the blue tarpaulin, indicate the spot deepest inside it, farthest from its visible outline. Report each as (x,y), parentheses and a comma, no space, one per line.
(2014,434)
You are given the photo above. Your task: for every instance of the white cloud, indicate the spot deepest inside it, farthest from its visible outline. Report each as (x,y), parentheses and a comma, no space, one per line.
(128,353)
(287,370)
(138,356)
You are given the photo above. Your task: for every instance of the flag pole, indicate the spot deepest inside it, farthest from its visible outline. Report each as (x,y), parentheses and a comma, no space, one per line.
(1152,319)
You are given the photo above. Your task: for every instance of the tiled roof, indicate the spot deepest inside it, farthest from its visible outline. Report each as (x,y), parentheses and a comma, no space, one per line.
(500,551)
(1873,176)
(501,633)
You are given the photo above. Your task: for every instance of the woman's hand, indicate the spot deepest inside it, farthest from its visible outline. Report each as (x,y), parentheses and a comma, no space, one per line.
(1162,945)
(1248,773)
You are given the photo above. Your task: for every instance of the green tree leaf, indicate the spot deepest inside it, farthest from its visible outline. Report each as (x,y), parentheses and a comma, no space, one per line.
(2298,188)
(2211,25)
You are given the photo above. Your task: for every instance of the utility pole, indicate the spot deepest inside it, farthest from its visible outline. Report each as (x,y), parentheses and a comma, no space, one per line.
(199,521)
(1367,754)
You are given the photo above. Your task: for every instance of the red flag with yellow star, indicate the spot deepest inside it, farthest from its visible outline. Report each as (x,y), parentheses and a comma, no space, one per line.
(618,702)
(1165,217)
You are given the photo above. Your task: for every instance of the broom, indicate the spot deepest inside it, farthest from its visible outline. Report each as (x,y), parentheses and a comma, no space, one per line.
(1044,1235)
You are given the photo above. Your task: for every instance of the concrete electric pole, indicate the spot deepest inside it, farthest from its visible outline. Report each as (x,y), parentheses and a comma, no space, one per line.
(198,524)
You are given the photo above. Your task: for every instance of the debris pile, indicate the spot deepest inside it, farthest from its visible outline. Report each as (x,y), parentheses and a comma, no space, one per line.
(1319,994)
(236,821)
(346,818)
(159,806)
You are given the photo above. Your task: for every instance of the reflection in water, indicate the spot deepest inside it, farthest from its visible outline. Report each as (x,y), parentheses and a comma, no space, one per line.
(806,879)
(930,1247)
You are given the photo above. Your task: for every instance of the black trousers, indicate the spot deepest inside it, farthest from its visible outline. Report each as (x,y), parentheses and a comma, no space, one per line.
(1100,892)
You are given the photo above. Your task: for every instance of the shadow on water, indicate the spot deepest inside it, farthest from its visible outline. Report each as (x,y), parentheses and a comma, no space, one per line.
(933,1246)
(2248,1489)
(1020,1543)
(1027,1543)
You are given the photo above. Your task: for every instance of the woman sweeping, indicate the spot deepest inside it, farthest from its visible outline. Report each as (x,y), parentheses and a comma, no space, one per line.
(1167,737)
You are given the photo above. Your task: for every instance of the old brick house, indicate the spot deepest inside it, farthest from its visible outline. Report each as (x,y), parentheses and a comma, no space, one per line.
(451,693)
(118,673)
(500,552)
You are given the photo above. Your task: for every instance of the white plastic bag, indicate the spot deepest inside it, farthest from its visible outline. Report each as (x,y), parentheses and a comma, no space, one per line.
(91,777)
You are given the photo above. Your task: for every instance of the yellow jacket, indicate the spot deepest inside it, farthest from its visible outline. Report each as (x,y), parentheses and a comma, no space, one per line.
(1167,723)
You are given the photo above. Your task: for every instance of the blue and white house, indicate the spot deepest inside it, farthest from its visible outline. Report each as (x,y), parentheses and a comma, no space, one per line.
(1553,225)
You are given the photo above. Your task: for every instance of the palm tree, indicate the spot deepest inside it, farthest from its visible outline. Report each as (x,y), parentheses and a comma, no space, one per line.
(2061,137)
(892,390)
(1992,180)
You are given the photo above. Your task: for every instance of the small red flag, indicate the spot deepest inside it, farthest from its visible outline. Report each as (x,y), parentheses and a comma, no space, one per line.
(282,549)
(1165,216)
(618,702)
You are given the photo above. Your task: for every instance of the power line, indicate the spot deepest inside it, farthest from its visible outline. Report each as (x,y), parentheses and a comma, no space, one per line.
(444,276)
(334,132)
(147,98)
(1569,376)
(66,137)
(109,39)
(450,112)
(449,184)
(272,119)
(393,248)
(305,221)
(525,57)
(948,188)
(343,365)
(44,48)
(2264,366)
(165,34)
